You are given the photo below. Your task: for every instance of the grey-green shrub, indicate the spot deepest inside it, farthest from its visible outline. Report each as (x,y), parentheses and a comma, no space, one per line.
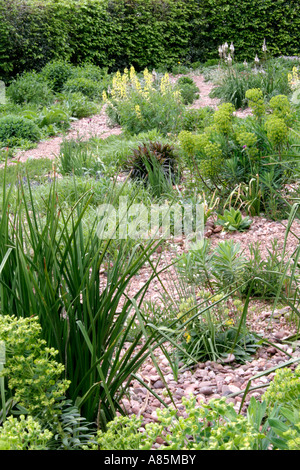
(188,89)
(29,88)
(80,106)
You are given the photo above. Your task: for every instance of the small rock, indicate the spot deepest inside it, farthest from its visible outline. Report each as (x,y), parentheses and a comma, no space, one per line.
(206,383)
(216,396)
(230,400)
(154,378)
(135,408)
(228,379)
(279,334)
(208,233)
(159,440)
(206,390)
(209,224)
(190,390)
(234,389)
(179,393)
(200,399)
(159,384)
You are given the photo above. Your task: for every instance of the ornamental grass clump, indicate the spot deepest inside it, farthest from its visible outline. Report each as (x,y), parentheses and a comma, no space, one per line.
(211,332)
(164,154)
(55,272)
(156,165)
(140,104)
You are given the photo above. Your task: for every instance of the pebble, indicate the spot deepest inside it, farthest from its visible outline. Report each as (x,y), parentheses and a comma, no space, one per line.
(179,393)
(135,408)
(154,378)
(206,390)
(280,334)
(201,399)
(234,389)
(159,440)
(159,384)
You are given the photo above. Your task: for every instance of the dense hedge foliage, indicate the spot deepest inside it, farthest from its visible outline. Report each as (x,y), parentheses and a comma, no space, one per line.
(119,33)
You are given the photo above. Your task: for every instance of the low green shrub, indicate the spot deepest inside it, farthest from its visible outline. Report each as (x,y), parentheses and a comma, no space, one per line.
(277,132)
(281,108)
(211,62)
(256,101)
(54,118)
(83,85)
(178,69)
(217,269)
(206,155)
(19,128)
(56,73)
(92,72)
(29,358)
(195,120)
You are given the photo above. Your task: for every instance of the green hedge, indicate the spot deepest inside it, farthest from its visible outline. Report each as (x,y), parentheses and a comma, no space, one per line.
(247,23)
(117,33)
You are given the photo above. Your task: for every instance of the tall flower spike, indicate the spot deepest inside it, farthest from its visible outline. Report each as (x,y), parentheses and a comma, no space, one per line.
(224,50)
(256,60)
(229,59)
(264,46)
(231,48)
